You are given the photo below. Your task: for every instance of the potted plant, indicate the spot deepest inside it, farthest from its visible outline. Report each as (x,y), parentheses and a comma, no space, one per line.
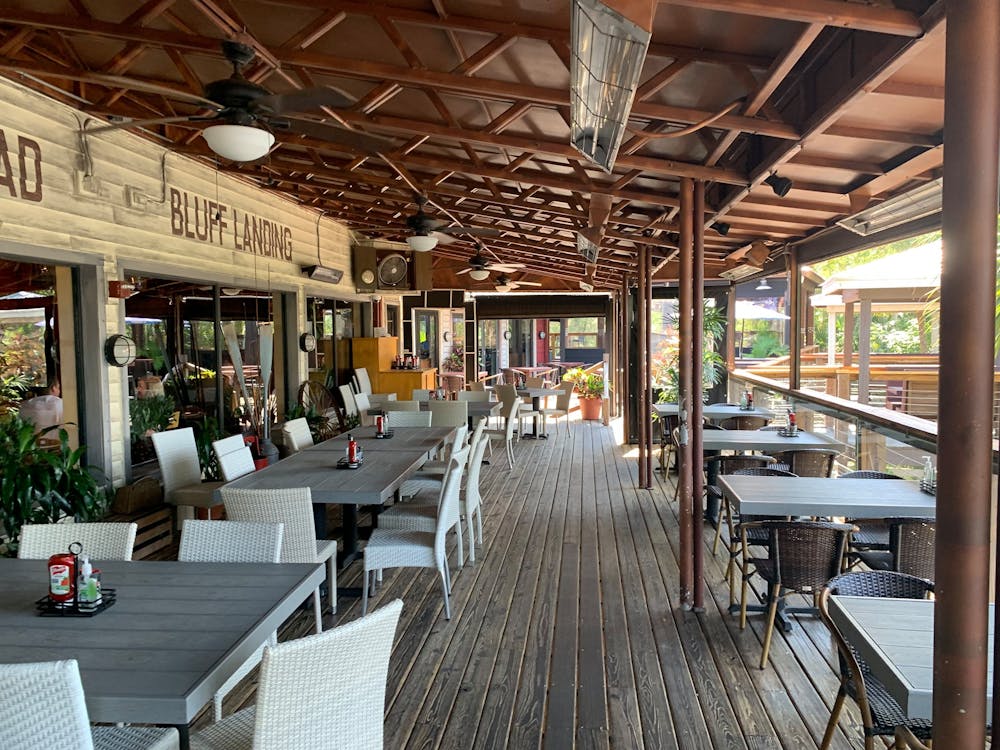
(146,416)
(589,387)
(454,362)
(43,484)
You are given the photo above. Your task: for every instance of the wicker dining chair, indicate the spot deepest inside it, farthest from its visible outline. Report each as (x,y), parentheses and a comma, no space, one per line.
(42,705)
(417,549)
(234,457)
(744,422)
(911,548)
(100,541)
(232,542)
(880,713)
(407,418)
(180,470)
(323,690)
(802,557)
(806,462)
(872,533)
(476,396)
(291,506)
(296,434)
(420,394)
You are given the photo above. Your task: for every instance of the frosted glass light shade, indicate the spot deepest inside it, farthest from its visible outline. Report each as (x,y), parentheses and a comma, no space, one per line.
(238,142)
(422,243)
(479,274)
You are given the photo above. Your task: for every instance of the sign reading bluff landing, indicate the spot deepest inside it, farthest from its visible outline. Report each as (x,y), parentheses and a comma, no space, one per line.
(199,218)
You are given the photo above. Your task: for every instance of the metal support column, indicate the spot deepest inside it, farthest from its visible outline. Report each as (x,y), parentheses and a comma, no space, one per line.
(968,299)
(697,390)
(795,311)
(647,373)
(641,405)
(626,359)
(684,462)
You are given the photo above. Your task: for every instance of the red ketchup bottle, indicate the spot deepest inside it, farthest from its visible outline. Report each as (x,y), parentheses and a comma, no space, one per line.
(352,450)
(62,578)
(791,422)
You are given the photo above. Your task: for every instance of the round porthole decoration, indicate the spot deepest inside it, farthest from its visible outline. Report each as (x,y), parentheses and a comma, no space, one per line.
(119,350)
(307,342)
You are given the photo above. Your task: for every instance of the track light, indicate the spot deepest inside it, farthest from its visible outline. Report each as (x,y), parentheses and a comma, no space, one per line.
(780,185)
(721,227)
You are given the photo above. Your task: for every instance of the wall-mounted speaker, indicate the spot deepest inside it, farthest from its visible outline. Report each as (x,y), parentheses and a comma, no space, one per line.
(365,268)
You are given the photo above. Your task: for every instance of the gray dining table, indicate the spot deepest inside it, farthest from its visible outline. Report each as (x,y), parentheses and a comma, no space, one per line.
(896,638)
(716,412)
(427,439)
(176,633)
(764,440)
(818,496)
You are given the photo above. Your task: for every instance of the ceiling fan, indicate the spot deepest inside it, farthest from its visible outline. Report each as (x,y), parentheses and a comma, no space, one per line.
(480,266)
(245,116)
(428,231)
(505,284)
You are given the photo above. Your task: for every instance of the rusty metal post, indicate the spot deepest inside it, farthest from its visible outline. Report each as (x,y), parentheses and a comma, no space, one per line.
(642,407)
(648,373)
(968,299)
(684,463)
(626,333)
(731,330)
(697,391)
(795,312)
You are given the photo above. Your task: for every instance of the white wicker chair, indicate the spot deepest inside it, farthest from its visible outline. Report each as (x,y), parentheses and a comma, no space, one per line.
(235,459)
(507,431)
(322,691)
(436,469)
(449,413)
(363,384)
(100,541)
(471,505)
(363,405)
(42,705)
(562,405)
(297,435)
(409,419)
(421,394)
(350,405)
(417,549)
(424,516)
(237,542)
(405,406)
(293,507)
(473,396)
(177,455)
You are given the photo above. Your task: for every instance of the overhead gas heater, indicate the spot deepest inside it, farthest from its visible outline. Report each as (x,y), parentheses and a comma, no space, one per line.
(608,51)
(915,204)
(746,261)
(324,273)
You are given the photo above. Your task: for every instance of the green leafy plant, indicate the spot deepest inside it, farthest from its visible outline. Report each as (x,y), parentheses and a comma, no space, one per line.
(665,363)
(320,426)
(767,344)
(207,432)
(44,483)
(148,415)
(586,384)
(454,362)
(14,385)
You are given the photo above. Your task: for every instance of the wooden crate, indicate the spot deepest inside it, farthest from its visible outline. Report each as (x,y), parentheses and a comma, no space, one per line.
(156,529)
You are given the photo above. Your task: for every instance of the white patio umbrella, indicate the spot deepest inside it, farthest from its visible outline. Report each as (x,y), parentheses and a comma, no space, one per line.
(746,310)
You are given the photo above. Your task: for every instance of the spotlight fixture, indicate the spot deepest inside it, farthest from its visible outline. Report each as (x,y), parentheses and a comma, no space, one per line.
(479,274)
(422,243)
(238,142)
(763,286)
(721,227)
(780,185)
(608,51)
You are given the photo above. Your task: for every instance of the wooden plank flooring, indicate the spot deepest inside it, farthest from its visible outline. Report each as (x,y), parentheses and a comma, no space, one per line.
(566,633)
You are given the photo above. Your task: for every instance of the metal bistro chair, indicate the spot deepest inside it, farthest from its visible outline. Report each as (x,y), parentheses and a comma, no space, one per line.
(323,690)
(42,705)
(802,557)
(880,713)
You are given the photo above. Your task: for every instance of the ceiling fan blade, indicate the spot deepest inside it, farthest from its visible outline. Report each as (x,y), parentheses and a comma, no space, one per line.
(475,231)
(464,270)
(353,139)
(306,100)
(526,283)
(153,88)
(505,267)
(146,123)
(444,239)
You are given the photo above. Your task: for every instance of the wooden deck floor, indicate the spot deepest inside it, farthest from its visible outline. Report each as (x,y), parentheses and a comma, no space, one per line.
(566,631)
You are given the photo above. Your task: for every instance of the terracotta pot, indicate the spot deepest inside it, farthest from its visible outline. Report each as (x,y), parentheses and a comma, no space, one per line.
(590,408)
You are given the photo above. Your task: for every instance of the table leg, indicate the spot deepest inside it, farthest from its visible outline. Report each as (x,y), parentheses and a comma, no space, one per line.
(185,735)
(350,552)
(536,404)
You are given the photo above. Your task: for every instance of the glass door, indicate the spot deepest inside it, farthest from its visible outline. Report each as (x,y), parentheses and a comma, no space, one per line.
(426,338)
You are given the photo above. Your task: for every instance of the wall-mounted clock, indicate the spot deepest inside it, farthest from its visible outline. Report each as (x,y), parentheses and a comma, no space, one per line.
(119,350)
(307,342)
(506,335)
(541,335)
(392,270)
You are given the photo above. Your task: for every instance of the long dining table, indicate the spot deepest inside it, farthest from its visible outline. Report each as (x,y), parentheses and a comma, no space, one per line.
(387,465)
(176,632)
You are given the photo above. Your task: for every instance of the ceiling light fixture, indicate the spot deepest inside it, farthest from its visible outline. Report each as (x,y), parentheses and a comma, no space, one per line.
(915,204)
(479,274)
(780,185)
(422,243)
(608,51)
(238,142)
(763,286)
(721,227)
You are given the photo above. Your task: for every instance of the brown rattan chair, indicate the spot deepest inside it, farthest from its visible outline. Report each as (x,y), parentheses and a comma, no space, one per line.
(744,422)
(911,548)
(806,462)
(880,713)
(667,425)
(802,557)
(872,533)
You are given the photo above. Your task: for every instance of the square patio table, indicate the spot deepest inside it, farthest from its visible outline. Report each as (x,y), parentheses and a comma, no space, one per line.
(715,411)
(175,634)
(818,496)
(536,395)
(476,409)
(764,440)
(896,638)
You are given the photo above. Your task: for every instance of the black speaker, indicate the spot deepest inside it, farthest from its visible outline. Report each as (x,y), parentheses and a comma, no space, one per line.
(365,268)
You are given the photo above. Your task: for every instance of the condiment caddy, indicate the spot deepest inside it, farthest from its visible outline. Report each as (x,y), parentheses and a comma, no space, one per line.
(74,586)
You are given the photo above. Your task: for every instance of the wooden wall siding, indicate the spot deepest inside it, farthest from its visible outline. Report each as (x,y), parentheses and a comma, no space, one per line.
(567,632)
